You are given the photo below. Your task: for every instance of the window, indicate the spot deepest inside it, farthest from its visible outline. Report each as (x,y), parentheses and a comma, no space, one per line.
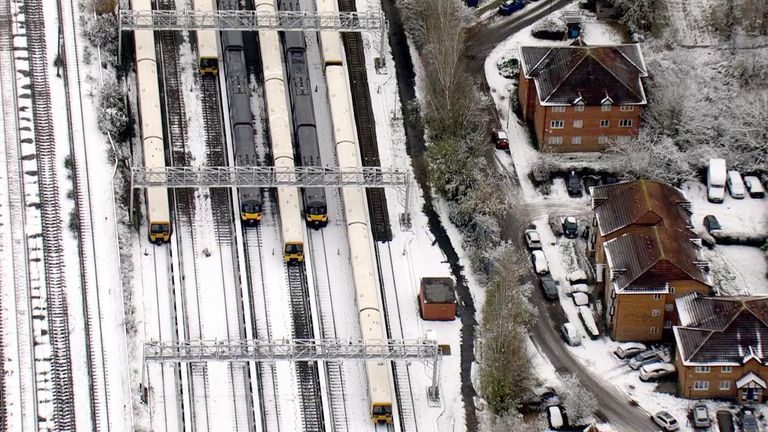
(605,123)
(701,385)
(625,123)
(626,108)
(600,272)
(669,307)
(702,369)
(555,140)
(654,330)
(576,140)
(557,124)
(657,296)
(602,139)
(623,139)
(558,109)
(579,108)
(725,385)
(578,123)
(655,313)
(612,312)
(606,107)
(668,324)
(726,369)
(671,290)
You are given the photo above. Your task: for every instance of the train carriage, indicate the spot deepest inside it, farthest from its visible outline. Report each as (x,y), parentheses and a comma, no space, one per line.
(207,49)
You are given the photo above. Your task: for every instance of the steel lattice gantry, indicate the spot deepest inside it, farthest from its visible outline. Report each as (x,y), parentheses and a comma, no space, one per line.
(297,350)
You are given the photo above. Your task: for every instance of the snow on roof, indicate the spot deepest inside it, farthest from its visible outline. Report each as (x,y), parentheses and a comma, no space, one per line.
(750,378)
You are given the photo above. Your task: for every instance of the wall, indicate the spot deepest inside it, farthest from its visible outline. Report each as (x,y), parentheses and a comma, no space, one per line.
(633,319)
(590,130)
(687,375)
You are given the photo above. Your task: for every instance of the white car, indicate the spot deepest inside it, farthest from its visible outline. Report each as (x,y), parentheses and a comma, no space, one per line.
(629,349)
(532,239)
(540,264)
(666,421)
(570,334)
(656,371)
(736,185)
(754,187)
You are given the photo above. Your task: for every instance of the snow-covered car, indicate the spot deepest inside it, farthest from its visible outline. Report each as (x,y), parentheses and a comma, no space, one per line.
(665,421)
(574,288)
(585,313)
(629,349)
(570,227)
(540,264)
(570,334)
(656,371)
(549,287)
(736,185)
(700,414)
(511,6)
(556,417)
(754,187)
(532,239)
(577,277)
(643,359)
(580,299)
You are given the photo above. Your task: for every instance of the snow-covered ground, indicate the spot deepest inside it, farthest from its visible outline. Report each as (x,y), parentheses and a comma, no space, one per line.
(737,217)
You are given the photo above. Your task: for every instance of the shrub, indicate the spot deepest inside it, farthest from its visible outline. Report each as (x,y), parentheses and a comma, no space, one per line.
(113,115)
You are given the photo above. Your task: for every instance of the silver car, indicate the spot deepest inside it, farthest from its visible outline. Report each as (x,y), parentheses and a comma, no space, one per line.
(701,415)
(643,359)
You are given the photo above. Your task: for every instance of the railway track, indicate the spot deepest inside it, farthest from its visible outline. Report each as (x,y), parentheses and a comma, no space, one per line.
(56,305)
(366,126)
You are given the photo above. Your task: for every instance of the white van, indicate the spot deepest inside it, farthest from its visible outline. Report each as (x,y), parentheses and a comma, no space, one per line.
(716,180)
(736,185)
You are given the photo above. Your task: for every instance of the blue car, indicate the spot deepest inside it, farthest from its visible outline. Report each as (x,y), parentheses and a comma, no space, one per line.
(511,6)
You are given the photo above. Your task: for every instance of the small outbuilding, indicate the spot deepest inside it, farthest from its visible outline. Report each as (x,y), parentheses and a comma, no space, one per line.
(437,299)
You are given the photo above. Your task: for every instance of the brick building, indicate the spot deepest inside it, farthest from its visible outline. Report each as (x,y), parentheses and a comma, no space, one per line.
(579,98)
(722,347)
(645,255)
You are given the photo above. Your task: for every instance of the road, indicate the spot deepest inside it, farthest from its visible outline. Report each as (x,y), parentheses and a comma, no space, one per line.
(615,407)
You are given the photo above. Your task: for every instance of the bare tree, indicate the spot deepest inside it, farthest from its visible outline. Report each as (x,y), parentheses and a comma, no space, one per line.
(580,404)
(651,156)
(748,132)
(639,15)
(514,422)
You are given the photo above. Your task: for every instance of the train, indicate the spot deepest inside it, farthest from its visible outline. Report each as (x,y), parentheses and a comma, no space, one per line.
(355,209)
(303,111)
(207,48)
(241,117)
(150,119)
(280,136)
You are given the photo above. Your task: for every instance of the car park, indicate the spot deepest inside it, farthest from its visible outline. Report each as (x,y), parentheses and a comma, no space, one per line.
(532,239)
(570,334)
(736,185)
(570,227)
(629,349)
(711,224)
(500,140)
(573,184)
(548,287)
(747,420)
(644,358)
(656,370)
(754,187)
(700,415)
(540,264)
(665,421)
(511,6)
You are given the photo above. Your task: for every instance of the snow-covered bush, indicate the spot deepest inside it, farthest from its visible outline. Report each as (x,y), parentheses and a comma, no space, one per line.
(509,68)
(513,422)
(101,31)
(640,15)
(113,115)
(550,28)
(580,404)
(650,156)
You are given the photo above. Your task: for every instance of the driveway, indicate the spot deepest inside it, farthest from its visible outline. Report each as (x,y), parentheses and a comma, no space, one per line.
(615,407)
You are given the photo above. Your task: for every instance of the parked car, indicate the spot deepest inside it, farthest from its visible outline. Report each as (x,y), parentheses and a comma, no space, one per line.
(570,227)
(573,184)
(754,187)
(711,223)
(736,185)
(532,239)
(656,371)
(725,421)
(556,417)
(511,6)
(577,277)
(500,139)
(548,287)
(716,175)
(540,265)
(644,358)
(580,299)
(629,349)
(748,420)
(666,421)
(547,395)
(700,415)
(570,334)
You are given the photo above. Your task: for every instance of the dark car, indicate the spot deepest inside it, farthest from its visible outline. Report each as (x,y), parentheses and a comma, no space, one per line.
(511,6)
(500,140)
(549,287)
(570,227)
(725,421)
(748,420)
(711,223)
(573,183)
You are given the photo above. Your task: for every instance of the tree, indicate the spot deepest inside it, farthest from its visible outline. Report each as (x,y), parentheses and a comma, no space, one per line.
(580,404)
(113,116)
(650,155)
(639,15)
(514,422)
(747,137)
